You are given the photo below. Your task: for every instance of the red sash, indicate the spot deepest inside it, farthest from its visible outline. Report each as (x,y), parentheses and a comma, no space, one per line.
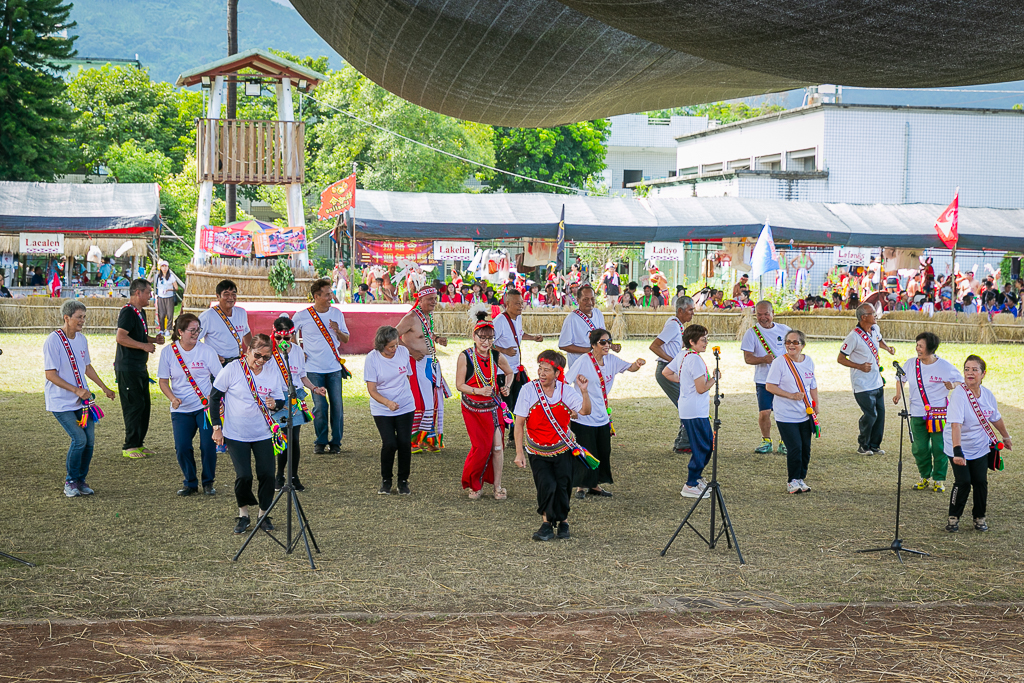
(871,345)
(995,440)
(934,418)
(231,328)
(280,440)
(565,438)
(324,331)
(584,318)
(145,327)
(604,390)
(89,407)
(188,375)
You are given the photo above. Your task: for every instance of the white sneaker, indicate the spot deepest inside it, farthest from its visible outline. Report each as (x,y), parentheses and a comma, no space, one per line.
(702,482)
(803,486)
(694,491)
(879,451)
(794,487)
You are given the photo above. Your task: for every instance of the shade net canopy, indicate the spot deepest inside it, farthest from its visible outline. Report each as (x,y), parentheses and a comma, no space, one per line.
(109,208)
(544,63)
(416,215)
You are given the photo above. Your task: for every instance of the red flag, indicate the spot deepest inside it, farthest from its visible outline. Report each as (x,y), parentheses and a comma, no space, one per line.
(947,223)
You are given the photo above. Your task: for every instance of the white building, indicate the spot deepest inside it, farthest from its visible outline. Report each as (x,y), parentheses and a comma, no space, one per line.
(857,154)
(642,148)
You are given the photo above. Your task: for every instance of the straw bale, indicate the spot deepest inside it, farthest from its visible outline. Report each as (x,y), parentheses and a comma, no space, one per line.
(618,324)
(252,280)
(39,313)
(746,322)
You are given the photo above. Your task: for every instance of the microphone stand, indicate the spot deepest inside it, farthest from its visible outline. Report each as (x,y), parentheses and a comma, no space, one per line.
(716,492)
(305,531)
(897,543)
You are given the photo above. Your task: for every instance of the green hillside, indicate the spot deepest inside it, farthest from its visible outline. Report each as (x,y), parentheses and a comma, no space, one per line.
(171,37)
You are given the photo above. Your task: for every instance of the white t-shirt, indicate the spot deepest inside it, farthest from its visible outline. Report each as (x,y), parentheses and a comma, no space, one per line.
(215,331)
(973,439)
(504,338)
(563,392)
(933,377)
(203,365)
(775,336)
(319,357)
(392,378)
(613,365)
(692,405)
(59,400)
(857,350)
(576,331)
(671,337)
(164,288)
(787,409)
(243,419)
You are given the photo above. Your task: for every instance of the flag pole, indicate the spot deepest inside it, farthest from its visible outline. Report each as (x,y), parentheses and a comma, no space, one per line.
(953,289)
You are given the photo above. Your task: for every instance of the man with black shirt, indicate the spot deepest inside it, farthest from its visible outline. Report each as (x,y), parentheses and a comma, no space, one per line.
(133,348)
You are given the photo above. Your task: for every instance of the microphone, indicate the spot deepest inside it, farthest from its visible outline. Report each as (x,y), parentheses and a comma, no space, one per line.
(716,350)
(899,369)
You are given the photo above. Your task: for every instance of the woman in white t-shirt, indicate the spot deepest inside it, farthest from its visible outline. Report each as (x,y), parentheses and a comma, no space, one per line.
(165,286)
(791,378)
(935,377)
(67,364)
(386,371)
(189,395)
(246,430)
(594,431)
(968,439)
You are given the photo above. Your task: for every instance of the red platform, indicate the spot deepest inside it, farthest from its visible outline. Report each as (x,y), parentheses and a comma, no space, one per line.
(362,320)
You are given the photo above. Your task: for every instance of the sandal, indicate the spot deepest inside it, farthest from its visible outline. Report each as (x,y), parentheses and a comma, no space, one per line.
(500,493)
(475,495)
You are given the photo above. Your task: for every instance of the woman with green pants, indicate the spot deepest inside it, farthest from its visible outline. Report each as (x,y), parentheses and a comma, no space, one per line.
(929,380)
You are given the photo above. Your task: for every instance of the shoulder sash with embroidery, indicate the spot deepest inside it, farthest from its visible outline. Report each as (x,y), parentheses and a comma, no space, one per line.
(145,327)
(89,407)
(299,403)
(231,328)
(280,440)
(604,390)
(764,342)
(874,349)
(993,439)
(577,450)
(188,375)
(324,331)
(803,392)
(584,318)
(934,418)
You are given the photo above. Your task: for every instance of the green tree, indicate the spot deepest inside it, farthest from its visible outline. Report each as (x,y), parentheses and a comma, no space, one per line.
(115,104)
(723,112)
(571,155)
(33,113)
(130,162)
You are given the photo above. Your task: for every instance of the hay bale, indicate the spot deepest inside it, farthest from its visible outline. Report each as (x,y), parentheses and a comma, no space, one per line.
(618,327)
(252,280)
(42,314)
(746,322)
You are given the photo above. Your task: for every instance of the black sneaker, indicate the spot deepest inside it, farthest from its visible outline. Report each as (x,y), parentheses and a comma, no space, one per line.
(601,493)
(318,449)
(187,491)
(385,488)
(953,525)
(241,524)
(545,533)
(209,490)
(334,448)
(403,488)
(980,524)
(279,482)
(563,530)
(297,485)
(266,524)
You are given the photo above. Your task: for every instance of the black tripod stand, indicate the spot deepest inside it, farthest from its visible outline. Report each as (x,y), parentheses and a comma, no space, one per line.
(305,532)
(897,543)
(716,492)
(16,559)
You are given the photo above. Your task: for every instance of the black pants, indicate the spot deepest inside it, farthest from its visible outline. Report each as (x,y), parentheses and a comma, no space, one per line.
(133,390)
(872,419)
(282,459)
(553,478)
(243,453)
(396,437)
(973,474)
(797,437)
(597,440)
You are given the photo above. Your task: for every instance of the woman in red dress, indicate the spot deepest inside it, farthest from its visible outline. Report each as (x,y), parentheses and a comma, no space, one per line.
(451,296)
(543,412)
(483,409)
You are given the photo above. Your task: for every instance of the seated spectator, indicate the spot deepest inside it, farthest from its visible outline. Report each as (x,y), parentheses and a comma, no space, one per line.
(853,302)
(362,295)
(743,300)
(680,291)
(38,280)
(451,296)
(657,298)
(647,300)
(742,284)
(628,298)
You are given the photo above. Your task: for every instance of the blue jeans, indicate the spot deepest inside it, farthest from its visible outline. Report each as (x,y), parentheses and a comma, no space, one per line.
(82,441)
(332,382)
(184,426)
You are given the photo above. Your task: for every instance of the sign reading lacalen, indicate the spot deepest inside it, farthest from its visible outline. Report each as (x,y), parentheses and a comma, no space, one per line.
(42,243)
(664,251)
(453,251)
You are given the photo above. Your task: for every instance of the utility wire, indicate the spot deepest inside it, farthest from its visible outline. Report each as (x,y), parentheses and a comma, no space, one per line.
(964,90)
(441,151)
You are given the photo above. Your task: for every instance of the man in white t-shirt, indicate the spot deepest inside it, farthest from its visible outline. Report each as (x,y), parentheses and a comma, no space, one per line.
(225,327)
(667,346)
(861,353)
(323,331)
(508,340)
(761,345)
(574,339)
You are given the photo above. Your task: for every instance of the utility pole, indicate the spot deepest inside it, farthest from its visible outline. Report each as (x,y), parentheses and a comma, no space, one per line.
(229,190)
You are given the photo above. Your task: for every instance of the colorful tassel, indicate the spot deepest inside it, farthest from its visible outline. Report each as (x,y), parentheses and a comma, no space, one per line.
(585,456)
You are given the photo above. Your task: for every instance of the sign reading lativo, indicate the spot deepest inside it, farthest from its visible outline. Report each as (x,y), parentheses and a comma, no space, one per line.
(453,251)
(665,251)
(42,243)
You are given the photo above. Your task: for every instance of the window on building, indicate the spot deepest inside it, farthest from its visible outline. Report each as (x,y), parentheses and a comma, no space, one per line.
(671,174)
(801,160)
(710,168)
(631,177)
(770,162)
(739,164)
(689,170)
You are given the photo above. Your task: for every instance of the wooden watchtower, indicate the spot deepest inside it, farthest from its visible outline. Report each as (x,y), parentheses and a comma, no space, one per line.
(233,151)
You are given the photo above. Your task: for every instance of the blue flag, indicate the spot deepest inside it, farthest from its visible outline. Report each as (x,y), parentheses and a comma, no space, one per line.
(560,258)
(765,258)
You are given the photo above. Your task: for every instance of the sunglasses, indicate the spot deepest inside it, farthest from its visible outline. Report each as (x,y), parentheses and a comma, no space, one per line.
(260,357)
(604,342)
(793,342)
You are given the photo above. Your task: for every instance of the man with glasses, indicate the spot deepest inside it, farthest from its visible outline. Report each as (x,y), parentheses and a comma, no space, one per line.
(761,345)
(134,344)
(225,327)
(667,346)
(323,331)
(575,336)
(860,353)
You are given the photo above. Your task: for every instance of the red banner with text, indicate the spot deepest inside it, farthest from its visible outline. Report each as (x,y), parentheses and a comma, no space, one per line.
(338,198)
(389,252)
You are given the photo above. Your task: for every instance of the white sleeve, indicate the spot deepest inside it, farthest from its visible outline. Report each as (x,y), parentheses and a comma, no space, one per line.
(527,397)
(222,381)
(749,342)
(370,369)
(957,406)
(814,382)
(565,337)
(849,344)
(245,323)
(667,333)
(674,366)
(572,398)
(341,320)
(163,368)
(577,368)
(697,367)
(618,365)
(204,324)
(51,353)
(775,372)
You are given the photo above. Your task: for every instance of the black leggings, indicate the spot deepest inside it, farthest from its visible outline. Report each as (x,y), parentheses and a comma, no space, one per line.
(974,473)
(396,437)
(243,453)
(282,459)
(797,437)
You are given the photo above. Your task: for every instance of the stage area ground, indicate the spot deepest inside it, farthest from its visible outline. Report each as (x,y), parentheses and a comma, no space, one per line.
(137,551)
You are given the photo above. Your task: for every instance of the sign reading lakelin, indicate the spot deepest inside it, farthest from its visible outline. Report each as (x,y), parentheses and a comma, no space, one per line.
(765,258)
